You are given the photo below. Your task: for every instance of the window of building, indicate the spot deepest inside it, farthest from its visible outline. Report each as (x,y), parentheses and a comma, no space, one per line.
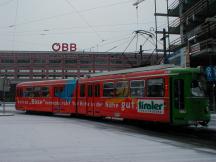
(8,61)
(82,90)
(24,70)
(108,89)
(23,76)
(70,61)
(23,61)
(54,61)
(155,87)
(122,89)
(71,71)
(85,61)
(38,61)
(10,70)
(37,71)
(137,88)
(101,62)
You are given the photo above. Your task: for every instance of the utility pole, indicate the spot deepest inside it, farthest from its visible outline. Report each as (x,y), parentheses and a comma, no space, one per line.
(164,46)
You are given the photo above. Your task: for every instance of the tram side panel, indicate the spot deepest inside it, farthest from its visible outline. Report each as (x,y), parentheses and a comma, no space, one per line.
(47,96)
(138,98)
(34,98)
(189,104)
(64,97)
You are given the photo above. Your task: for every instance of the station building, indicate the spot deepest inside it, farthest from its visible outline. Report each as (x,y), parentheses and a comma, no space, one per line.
(19,66)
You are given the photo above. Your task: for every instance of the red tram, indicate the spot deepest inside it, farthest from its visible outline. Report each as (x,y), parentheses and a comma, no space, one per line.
(148,94)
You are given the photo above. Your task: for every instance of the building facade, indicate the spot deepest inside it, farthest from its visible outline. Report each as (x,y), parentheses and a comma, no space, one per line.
(195,23)
(19,66)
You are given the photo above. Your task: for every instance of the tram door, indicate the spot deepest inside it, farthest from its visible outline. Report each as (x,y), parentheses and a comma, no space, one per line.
(90,100)
(178,98)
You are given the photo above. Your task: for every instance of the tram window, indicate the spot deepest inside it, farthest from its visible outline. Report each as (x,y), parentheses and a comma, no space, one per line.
(36,92)
(155,87)
(122,89)
(82,90)
(58,91)
(45,92)
(27,92)
(137,88)
(197,89)
(108,89)
(97,90)
(90,89)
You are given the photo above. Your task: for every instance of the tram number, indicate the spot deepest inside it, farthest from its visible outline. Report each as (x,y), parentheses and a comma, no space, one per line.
(64,47)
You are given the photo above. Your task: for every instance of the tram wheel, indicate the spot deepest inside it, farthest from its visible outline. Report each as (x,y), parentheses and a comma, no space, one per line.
(204,123)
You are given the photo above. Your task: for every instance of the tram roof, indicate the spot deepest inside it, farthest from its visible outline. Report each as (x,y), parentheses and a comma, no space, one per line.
(141,69)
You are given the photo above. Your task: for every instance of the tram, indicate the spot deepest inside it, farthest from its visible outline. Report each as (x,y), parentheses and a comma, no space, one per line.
(162,93)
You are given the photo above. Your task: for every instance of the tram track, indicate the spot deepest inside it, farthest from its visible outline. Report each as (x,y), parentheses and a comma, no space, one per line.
(197,136)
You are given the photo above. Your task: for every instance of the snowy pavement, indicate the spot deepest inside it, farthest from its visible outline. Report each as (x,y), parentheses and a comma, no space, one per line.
(37,138)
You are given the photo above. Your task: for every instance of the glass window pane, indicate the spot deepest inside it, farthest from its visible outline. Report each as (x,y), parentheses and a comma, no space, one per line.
(137,88)
(90,90)
(108,90)
(122,89)
(82,90)
(155,87)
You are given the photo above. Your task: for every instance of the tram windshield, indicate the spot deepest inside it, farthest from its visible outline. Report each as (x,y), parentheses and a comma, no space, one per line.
(197,88)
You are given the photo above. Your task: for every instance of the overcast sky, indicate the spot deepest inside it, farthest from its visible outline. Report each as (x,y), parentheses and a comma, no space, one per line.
(96,25)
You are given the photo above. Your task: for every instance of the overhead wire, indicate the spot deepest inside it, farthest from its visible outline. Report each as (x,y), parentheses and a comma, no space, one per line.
(108,43)
(82,17)
(5,3)
(68,13)
(117,46)
(15,21)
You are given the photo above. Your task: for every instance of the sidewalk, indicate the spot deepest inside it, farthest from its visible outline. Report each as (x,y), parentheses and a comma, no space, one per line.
(213,116)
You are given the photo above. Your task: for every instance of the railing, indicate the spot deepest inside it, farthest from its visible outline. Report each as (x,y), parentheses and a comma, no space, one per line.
(174,5)
(206,28)
(207,45)
(195,9)
(175,23)
(177,43)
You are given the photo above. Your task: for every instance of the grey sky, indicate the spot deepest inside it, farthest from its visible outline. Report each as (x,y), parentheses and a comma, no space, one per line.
(96,25)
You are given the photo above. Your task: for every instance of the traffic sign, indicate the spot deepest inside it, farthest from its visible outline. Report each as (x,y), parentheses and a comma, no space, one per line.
(210,72)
